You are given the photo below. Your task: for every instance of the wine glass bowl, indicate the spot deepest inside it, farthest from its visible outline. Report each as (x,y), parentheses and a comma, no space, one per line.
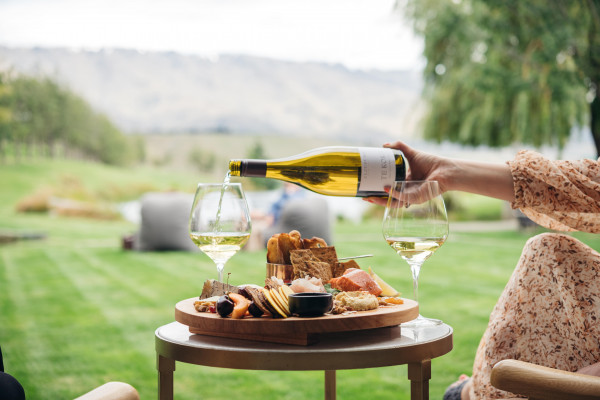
(219,221)
(415,225)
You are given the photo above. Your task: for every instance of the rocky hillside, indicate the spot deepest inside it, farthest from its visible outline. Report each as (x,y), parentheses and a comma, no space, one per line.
(171,92)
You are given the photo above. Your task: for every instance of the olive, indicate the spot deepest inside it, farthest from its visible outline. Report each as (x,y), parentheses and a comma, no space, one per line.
(255,311)
(224,306)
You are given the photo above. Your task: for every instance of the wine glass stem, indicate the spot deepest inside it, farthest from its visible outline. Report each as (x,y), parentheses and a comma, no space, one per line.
(415,268)
(220,268)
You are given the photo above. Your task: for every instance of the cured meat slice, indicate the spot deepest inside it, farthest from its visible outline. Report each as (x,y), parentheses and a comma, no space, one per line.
(355,280)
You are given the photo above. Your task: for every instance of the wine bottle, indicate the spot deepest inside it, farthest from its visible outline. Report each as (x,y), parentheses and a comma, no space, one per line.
(332,171)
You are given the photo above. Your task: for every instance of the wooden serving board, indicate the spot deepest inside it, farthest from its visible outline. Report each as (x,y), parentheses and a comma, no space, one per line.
(291,330)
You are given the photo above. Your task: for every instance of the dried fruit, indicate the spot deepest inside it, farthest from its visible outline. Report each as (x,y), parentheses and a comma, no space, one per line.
(240,305)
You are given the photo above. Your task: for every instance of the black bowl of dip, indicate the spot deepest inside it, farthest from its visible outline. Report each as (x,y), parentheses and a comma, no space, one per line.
(310,304)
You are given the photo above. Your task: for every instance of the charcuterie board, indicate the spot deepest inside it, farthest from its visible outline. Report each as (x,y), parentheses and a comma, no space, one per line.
(292,330)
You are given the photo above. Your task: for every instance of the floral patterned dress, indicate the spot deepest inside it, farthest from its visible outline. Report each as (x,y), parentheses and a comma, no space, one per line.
(549,312)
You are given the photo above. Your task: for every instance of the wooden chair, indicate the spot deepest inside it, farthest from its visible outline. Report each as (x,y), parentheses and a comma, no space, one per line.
(542,383)
(112,391)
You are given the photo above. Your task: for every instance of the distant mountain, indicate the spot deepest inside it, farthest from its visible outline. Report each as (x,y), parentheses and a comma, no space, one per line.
(171,92)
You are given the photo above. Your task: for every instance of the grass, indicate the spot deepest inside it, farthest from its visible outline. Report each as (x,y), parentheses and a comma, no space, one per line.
(77,311)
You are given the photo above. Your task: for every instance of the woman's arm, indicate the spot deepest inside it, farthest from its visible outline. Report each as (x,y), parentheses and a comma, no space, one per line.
(487,179)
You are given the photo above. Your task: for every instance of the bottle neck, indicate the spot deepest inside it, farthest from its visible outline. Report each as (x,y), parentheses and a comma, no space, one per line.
(235,167)
(248,168)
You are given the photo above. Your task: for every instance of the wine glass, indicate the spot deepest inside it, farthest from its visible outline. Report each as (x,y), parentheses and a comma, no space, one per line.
(219,221)
(415,224)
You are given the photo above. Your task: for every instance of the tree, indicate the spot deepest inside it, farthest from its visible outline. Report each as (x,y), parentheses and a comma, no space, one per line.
(5,115)
(38,114)
(500,72)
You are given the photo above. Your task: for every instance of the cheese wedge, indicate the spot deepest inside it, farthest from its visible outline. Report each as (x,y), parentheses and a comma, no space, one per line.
(388,291)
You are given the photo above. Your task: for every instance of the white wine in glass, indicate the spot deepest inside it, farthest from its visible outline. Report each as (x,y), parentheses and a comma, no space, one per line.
(415,225)
(219,221)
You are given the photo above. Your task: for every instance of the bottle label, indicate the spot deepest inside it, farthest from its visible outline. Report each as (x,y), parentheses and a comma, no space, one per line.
(378,169)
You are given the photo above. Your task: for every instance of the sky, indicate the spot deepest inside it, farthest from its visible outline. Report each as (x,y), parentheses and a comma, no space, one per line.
(360,34)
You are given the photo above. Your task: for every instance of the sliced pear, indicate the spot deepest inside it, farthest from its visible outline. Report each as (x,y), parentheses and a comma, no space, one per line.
(388,290)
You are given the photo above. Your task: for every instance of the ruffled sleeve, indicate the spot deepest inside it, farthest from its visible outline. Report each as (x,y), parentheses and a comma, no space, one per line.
(559,195)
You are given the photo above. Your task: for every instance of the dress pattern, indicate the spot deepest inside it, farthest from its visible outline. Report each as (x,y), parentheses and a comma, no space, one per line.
(549,311)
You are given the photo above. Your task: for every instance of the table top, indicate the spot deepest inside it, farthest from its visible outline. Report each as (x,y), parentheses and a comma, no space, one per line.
(342,350)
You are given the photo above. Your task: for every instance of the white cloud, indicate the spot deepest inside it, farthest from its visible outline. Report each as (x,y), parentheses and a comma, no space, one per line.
(357,33)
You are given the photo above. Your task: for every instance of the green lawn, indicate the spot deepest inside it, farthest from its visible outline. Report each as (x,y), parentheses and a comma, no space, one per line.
(77,311)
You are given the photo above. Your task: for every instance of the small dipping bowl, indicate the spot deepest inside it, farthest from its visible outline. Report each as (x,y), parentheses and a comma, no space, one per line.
(310,304)
(284,272)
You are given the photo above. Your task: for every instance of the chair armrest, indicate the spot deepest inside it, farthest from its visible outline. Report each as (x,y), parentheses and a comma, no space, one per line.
(537,382)
(112,391)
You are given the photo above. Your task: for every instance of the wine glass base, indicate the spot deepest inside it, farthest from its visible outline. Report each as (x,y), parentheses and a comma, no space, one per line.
(421,322)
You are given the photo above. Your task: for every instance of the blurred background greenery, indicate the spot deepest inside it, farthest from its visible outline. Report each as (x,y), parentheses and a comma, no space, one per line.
(78,310)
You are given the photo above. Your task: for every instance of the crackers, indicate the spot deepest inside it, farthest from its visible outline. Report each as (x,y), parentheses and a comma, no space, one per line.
(341,267)
(312,257)
(326,254)
(280,245)
(304,263)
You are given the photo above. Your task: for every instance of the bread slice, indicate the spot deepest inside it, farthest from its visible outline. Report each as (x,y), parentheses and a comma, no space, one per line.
(314,242)
(213,287)
(273,253)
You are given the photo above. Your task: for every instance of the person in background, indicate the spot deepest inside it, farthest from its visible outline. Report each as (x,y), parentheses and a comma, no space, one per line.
(290,191)
(263,222)
(549,311)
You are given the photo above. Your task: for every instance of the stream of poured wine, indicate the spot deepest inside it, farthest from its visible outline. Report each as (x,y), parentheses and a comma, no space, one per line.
(223,189)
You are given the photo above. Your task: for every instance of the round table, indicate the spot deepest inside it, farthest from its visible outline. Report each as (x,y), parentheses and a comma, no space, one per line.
(369,348)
